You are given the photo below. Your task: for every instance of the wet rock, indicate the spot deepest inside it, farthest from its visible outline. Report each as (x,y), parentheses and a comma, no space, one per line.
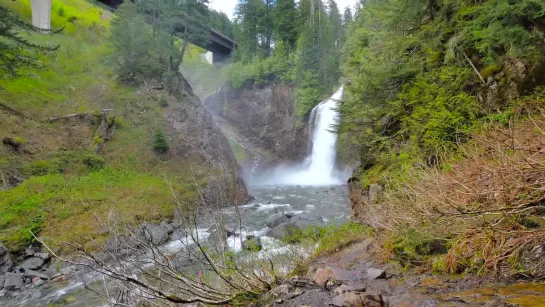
(353,299)
(346,288)
(44,256)
(33,263)
(281,290)
(323,275)
(13,281)
(276,220)
(338,301)
(253,244)
(2,280)
(373,274)
(375,191)
(6,266)
(31,274)
(156,234)
(31,250)
(167,226)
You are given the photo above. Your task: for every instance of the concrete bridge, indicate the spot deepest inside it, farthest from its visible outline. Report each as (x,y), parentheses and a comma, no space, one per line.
(220,45)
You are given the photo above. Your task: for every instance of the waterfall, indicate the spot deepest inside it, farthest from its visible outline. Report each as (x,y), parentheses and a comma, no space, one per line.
(319,167)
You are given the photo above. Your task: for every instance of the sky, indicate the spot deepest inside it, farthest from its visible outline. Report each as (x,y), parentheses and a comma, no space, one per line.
(228,6)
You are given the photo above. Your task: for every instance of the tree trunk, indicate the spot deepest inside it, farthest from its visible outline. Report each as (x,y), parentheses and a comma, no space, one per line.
(41,14)
(184,48)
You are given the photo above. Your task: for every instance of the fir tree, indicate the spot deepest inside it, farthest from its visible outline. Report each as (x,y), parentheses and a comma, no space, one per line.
(131,42)
(160,143)
(15,51)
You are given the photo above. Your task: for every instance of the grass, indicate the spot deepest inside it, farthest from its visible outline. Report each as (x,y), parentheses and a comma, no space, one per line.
(329,238)
(64,208)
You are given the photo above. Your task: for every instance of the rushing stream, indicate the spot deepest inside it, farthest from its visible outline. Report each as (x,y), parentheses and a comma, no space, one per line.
(313,189)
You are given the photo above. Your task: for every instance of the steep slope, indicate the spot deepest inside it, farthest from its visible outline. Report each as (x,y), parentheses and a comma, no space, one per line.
(263,118)
(78,148)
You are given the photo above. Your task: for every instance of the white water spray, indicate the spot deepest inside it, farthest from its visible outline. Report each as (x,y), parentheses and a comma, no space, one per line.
(318,168)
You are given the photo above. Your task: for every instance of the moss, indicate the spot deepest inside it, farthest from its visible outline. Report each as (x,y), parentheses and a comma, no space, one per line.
(490,70)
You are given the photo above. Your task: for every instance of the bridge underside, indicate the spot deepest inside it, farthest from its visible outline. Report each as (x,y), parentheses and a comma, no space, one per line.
(220,45)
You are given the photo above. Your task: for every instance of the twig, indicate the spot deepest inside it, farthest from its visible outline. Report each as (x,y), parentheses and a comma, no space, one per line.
(474,68)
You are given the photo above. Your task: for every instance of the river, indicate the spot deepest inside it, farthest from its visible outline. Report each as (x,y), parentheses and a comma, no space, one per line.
(313,188)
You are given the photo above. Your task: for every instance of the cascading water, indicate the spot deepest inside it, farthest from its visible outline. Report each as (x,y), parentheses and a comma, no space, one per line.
(319,167)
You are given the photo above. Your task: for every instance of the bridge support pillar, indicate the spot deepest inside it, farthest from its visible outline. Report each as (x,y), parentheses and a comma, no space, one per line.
(219,58)
(41,14)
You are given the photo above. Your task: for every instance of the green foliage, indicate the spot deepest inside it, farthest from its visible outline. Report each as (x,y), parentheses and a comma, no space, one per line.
(132,43)
(163,102)
(15,51)
(307,38)
(412,94)
(55,204)
(160,142)
(329,238)
(334,238)
(68,162)
(308,93)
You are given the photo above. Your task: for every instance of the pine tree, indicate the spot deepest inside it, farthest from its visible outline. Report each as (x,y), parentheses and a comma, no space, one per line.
(15,51)
(336,23)
(131,42)
(160,143)
(285,22)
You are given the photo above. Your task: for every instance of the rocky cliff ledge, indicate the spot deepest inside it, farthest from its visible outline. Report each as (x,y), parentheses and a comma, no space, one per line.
(263,118)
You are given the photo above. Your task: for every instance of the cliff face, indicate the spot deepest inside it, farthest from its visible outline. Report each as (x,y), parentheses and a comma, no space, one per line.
(194,133)
(263,117)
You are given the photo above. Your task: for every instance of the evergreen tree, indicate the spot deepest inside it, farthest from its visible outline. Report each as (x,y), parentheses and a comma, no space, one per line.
(285,22)
(15,51)
(131,42)
(336,23)
(160,143)
(347,20)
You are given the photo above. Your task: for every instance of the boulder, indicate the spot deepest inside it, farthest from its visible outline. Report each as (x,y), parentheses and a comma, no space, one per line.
(44,256)
(156,234)
(276,219)
(33,263)
(6,266)
(32,274)
(31,250)
(13,281)
(373,274)
(323,275)
(252,244)
(166,225)
(3,250)
(354,299)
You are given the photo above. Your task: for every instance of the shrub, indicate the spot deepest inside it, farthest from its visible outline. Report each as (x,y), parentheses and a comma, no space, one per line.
(163,102)
(94,162)
(160,143)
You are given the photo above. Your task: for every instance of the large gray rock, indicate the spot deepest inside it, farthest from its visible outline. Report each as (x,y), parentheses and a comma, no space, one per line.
(373,274)
(6,267)
(276,219)
(44,256)
(33,263)
(13,281)
(31,274)
(252,244)
(292,225)
(156,234)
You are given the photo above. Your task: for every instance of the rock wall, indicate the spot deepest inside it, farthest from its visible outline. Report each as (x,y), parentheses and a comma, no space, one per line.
(194,133)
(264,117)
